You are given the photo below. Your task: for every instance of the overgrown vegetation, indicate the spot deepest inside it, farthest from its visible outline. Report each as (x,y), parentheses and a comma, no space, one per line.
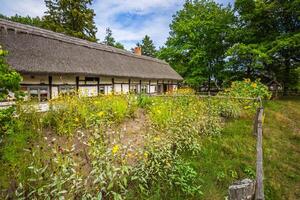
(90,148)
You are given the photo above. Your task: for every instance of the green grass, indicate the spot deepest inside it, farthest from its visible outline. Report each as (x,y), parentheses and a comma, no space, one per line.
(235,151)
(232,155)
(282,149)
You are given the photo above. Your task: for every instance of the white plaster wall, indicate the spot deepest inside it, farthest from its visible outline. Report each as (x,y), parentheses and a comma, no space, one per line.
(152,89)
(125,88)
(121,80)
(135,81)
(28,79)
(108,89)
(105,80)
(54,91)
(64,79)
(117,88)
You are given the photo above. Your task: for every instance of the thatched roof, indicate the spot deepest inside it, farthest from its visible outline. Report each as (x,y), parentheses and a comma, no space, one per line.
(35,50)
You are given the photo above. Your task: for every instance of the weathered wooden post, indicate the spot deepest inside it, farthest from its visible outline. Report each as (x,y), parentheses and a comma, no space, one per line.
(256,122)
(259,192)
(242,190)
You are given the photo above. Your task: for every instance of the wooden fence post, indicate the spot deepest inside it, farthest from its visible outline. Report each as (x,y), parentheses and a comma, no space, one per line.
(242,190)
(248,189)
(259,192)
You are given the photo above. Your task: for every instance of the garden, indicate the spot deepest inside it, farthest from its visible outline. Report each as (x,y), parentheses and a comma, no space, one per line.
(176,146)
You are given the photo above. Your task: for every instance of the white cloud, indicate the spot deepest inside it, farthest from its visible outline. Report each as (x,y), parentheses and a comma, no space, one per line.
(22,7)
(158,14)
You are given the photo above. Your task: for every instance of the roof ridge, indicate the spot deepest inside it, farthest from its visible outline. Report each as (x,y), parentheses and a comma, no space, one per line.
(69,39)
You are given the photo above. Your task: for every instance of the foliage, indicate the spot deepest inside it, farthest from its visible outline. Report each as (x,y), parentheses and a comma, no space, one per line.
(9,86)
(198,40)
(33,21)
(66,115)
(185,91)
(9,79)
(148,48)
(228,108)
(248,89)
(110,40)
(270,29)
(80,149)
(73,17)
(248,59)
(255,39)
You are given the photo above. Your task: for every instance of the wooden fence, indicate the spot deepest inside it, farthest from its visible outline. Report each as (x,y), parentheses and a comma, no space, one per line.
(252,189)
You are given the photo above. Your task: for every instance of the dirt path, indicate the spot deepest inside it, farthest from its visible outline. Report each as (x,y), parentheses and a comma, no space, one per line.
(130,135)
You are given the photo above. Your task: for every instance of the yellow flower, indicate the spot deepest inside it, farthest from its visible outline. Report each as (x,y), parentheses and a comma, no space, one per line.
(115,149)
(100,114)
(156,138)
(254,85)
(76,119)
(146,155)
(247,80)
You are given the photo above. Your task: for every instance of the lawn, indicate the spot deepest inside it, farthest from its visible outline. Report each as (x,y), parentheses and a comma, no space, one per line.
(232,156)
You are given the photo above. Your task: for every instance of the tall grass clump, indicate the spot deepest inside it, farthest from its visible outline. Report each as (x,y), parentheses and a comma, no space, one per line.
(68,113)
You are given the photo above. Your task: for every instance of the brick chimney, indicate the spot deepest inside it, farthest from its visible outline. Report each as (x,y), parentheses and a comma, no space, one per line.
(138,51)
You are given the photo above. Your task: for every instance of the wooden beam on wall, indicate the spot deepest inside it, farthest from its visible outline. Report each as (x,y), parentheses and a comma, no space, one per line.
(50,86)
(113,85)
(77,83)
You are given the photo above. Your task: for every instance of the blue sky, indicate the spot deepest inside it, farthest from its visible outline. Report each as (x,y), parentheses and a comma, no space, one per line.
(129,20)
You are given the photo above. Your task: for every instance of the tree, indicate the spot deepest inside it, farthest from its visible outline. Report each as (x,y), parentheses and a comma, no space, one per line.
(9,79)
(246,61)
(9,82)
(271,27)
(72,17)
(33,21)
(110,40)
(198,41)
(119,45)
(148,48)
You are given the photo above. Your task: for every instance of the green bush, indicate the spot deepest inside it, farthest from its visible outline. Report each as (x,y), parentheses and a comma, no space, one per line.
(248,89)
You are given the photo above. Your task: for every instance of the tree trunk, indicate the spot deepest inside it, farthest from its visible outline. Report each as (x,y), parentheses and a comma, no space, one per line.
(286,78)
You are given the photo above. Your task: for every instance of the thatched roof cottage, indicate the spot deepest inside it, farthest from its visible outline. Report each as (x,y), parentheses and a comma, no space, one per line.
(53,63)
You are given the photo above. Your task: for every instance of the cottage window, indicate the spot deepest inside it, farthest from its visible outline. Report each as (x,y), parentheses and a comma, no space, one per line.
(144,89)
(40,93)
(134,88)
(67,89)
(101,89)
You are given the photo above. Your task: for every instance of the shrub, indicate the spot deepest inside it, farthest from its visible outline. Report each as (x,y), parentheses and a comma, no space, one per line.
(248,89)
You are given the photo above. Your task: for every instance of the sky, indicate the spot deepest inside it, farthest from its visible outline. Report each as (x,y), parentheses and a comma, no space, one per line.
(129,20)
